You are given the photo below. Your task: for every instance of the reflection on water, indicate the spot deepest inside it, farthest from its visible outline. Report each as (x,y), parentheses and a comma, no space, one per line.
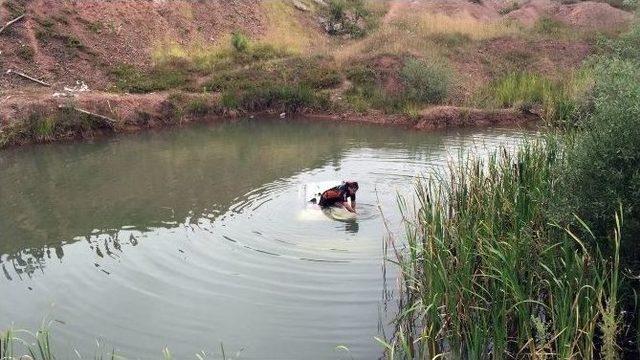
(191,237)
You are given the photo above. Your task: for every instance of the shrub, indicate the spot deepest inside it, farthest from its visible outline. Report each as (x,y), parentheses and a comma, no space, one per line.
(312,72)
(509,8)
(630,4)
(362,75)
(275,97)
(627,46)
(425,82)
(604,162)
(198,106)
(132,79)
(239,41)
(549,26)
(348,17)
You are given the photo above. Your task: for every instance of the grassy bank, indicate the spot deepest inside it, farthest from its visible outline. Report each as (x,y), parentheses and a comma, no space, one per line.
(534,254)
(347,57)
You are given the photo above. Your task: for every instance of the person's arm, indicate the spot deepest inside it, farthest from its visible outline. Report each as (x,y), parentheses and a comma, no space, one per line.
(349,207)
(353,202)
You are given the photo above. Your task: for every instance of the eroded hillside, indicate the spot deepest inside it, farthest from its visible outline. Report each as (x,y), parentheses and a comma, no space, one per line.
(191,58)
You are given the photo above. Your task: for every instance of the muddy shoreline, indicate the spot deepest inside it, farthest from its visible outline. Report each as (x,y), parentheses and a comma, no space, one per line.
(46,118)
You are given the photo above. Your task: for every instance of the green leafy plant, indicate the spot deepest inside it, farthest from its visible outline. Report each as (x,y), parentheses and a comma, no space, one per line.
(239,41)
(425,82)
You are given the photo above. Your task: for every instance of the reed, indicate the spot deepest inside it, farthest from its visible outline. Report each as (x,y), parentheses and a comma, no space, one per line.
(485,274)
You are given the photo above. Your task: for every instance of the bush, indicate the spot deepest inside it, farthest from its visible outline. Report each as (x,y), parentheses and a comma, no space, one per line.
(198,106)
(425,82)
(132,79)
(275,97)
(239,41)
(549,26)
(311,72)
(348,17)
(603,167)
(509,8)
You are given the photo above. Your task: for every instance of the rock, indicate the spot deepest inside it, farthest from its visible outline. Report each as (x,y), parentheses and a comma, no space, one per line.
(300,6)
(283,115)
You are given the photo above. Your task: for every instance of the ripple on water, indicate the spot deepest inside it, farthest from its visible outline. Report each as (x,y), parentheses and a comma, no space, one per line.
(215,240)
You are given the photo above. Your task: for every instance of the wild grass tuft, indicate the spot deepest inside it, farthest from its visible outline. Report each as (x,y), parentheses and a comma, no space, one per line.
(486,275)
(134,80)
(239,41)
(278,97)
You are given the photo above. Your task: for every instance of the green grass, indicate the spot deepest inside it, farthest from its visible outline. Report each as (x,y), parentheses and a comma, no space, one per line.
(134,80)
(351,18)
(522,255)
(487,275)
(549,26)
(277,97)
(521,88)
(317,73)
(239,41)
(425,82)
(22,345)
(289,84)
(419,83)
(515,5)
(558,103)
(42,125)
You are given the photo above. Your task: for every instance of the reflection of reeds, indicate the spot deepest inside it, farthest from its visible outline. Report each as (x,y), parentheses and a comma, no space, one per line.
(486,275)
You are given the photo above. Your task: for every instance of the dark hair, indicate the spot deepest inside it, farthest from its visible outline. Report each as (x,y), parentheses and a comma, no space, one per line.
(353,184)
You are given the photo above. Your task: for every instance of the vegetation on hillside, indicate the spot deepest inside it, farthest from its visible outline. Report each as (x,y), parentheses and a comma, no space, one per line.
(533,255)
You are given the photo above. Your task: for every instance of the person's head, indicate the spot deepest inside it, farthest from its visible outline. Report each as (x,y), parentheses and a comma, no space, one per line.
(352,186)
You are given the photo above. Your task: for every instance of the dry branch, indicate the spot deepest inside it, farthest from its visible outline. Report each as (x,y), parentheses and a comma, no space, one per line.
(109,120)
(21,74)
(11,23)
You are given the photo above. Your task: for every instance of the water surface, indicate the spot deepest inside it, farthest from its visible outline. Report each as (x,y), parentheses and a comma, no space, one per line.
(189,238)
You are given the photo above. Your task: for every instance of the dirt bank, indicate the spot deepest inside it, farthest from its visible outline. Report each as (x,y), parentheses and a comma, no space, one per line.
(37,118)
(584,14)
(64,41)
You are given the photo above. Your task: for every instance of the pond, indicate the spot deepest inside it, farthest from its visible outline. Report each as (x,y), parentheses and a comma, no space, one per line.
(194,237)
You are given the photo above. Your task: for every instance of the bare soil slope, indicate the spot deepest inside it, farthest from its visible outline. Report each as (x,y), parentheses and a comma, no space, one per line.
(64,41)
(584,14)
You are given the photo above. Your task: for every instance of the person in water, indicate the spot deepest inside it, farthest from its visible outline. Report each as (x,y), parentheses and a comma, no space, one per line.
(340,195)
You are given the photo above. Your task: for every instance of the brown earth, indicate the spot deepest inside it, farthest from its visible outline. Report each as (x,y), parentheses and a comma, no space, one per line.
(131,113)
(585,14)
(63,41)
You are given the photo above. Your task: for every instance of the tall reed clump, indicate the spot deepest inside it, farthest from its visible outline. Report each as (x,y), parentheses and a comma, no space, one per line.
(486,276)
(39,348)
